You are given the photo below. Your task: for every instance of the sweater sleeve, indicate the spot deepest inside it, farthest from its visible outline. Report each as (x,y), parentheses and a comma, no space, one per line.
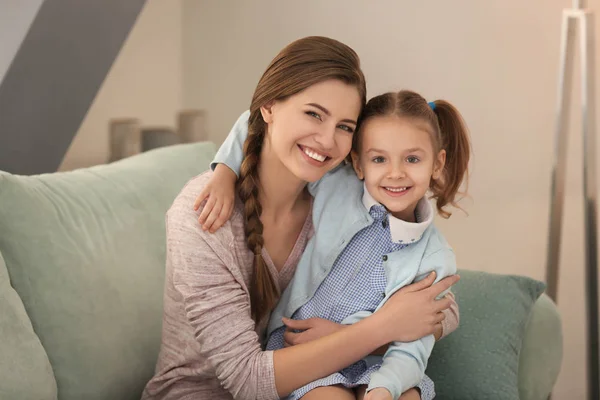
(217,306)
(450,323)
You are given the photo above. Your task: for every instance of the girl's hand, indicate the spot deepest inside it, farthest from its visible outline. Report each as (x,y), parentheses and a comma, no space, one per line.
(312,328)
(220,191)
(413,312)
(379,394)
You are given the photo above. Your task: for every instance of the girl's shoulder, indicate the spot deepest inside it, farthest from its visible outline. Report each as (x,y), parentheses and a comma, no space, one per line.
(436,242)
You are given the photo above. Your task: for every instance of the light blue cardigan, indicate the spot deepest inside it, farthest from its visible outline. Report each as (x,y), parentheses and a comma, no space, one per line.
(338,214)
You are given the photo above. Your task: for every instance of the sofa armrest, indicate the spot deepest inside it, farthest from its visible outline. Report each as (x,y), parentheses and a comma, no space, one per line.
(541,351)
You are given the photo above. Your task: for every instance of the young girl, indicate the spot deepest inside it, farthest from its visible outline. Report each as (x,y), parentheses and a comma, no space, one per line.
(404,148)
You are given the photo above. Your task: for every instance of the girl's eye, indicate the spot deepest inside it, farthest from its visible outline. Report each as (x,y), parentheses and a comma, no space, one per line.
(378,160)
(346,128)
(314,114)
(413,159)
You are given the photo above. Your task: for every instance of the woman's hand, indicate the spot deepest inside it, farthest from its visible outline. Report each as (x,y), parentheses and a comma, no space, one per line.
(220,191)
(311,329)
(413,312)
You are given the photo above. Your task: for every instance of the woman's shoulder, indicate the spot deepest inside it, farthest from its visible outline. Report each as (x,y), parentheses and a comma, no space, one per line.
(184,202)
(182,213)
(219,251)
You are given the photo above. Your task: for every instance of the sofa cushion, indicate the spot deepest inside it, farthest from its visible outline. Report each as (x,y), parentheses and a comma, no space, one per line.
(480,360)
(85,251)
(24,367)
(541,352)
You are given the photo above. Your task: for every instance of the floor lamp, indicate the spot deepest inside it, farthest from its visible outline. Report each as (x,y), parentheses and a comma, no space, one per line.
(577,20)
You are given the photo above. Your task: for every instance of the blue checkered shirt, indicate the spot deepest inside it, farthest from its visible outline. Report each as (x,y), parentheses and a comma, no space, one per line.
(356,282)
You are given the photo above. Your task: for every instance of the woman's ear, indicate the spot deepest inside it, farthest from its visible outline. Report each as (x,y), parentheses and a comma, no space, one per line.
(356,165)
(267,112)
(439,165)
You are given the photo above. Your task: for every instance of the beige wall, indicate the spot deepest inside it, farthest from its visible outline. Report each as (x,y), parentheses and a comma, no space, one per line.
(145,82)
(496,60)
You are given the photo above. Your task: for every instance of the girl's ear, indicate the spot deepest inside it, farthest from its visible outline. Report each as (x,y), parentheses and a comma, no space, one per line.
(439,164)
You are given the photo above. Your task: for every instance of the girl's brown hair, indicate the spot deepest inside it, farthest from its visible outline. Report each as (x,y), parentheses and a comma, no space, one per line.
(448,132)
(299,65)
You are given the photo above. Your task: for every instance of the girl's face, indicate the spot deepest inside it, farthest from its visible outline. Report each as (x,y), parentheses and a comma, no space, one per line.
(311,131)
(397,161)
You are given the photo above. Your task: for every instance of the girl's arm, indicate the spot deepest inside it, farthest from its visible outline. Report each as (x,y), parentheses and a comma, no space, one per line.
(231,152)
(404,363)
(219,192)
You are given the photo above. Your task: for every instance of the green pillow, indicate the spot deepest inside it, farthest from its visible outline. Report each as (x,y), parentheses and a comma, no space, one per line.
(480,360)
(85,251)
(541,353)
(25,372)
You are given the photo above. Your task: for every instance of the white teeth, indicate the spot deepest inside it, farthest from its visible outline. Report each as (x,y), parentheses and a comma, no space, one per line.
(402,189)
(313,155)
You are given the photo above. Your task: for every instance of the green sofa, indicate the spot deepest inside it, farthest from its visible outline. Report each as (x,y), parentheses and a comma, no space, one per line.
(82,258)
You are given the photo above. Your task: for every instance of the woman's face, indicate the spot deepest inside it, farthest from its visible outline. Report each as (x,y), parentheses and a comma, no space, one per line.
(311,131)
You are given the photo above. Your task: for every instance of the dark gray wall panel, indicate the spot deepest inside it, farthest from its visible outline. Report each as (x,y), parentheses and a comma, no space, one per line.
(55,76)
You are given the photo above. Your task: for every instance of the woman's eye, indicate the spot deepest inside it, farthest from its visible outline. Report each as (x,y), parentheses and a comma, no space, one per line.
(378,160)
(413,159)
(314,114)
(346,128)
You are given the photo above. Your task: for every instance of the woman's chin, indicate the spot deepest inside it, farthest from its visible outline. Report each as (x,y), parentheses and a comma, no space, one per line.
(308,173)
(310,177)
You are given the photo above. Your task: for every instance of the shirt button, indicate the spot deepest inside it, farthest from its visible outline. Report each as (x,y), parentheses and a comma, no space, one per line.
(385,257)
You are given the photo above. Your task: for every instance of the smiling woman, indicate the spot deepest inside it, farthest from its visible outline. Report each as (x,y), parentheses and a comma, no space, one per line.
(322,130)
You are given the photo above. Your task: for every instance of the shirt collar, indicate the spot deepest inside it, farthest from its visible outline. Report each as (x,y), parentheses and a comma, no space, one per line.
(402,231)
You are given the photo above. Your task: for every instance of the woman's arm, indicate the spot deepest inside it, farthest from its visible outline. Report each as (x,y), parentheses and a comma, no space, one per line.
(298,365)
(304,331)
(215,300)
(443,329)
(218,309)
(420,309)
